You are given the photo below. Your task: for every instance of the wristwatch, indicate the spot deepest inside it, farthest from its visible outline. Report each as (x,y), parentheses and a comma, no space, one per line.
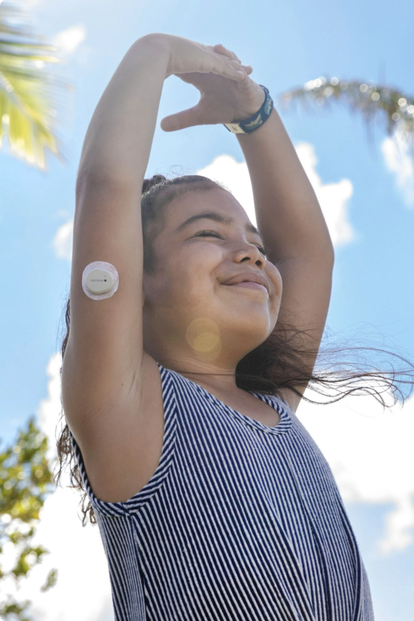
(258,118)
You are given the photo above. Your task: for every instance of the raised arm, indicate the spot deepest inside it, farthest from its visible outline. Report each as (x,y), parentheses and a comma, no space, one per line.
(104,349)
(294,230)
(287,210)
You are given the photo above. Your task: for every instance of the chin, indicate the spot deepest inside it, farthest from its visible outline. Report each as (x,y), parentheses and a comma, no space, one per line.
(253,330)
(255,317)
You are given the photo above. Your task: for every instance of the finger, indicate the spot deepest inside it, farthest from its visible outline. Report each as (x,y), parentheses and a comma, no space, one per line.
(238,65)
(229,69)
(223,50)
(180,120)
(245,68)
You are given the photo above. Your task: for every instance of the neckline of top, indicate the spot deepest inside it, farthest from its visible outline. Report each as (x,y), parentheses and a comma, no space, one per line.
(274,401)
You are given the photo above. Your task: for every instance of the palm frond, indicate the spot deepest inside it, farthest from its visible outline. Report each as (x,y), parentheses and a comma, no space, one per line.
(390,107)
(29,99)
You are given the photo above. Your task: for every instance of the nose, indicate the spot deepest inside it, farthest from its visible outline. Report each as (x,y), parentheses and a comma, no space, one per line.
(251,254)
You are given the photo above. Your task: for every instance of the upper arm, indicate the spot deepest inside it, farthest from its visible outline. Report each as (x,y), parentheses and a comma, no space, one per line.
(105,345)
(307,284)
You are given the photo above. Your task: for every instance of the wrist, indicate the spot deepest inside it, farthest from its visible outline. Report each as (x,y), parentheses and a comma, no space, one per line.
(255,106)
(250,124)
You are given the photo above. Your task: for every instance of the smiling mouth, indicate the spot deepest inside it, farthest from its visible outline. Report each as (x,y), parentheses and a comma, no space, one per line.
(250,285)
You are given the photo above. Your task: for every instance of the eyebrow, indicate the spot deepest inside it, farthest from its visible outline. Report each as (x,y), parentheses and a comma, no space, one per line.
(217,217)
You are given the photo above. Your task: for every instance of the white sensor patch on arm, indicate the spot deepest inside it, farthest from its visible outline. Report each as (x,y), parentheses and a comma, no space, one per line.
(100,280)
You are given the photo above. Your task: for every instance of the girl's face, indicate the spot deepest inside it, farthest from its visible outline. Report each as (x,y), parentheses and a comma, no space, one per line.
(191,311)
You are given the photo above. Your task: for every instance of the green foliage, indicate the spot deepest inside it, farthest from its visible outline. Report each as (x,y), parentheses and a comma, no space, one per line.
(392,108)
(27,101)
(25,481)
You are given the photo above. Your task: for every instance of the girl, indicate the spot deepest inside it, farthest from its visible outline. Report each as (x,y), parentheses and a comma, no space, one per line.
(193,336)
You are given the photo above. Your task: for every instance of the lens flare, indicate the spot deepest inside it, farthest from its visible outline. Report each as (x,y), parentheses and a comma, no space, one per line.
(203,336)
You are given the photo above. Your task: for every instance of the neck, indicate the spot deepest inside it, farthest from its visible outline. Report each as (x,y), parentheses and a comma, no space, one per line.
(208,374)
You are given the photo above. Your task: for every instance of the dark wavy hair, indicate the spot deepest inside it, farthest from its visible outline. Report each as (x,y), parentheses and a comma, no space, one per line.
(279,362)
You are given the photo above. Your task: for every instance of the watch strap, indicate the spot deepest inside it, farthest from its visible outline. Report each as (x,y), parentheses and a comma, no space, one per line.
(249,125)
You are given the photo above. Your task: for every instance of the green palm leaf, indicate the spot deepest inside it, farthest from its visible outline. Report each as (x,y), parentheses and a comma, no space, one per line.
(28,92)
(392,109)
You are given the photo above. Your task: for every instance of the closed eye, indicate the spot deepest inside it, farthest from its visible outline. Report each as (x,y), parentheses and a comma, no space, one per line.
(215,234)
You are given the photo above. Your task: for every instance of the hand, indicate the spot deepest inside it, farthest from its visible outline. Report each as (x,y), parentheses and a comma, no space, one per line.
(225,95)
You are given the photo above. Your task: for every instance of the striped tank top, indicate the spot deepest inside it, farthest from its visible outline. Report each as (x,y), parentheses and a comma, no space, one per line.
(240,521)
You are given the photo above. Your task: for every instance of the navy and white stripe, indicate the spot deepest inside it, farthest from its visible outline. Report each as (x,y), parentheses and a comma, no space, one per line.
(239,522)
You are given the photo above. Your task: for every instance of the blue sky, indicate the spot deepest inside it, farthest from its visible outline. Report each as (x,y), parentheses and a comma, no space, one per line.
(367,196)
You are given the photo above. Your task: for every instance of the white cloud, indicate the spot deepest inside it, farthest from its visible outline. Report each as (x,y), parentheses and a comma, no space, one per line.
(67,41)
(49,408)
(370,452)
(332,197)
(82,591)
(399,161)
(63,240)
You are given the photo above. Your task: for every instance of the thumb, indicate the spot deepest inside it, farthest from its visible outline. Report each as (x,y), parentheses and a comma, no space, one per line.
(180,120)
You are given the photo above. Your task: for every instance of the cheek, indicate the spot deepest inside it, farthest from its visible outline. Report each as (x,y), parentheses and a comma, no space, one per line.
(276,278)
(198,262)
(186,276)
